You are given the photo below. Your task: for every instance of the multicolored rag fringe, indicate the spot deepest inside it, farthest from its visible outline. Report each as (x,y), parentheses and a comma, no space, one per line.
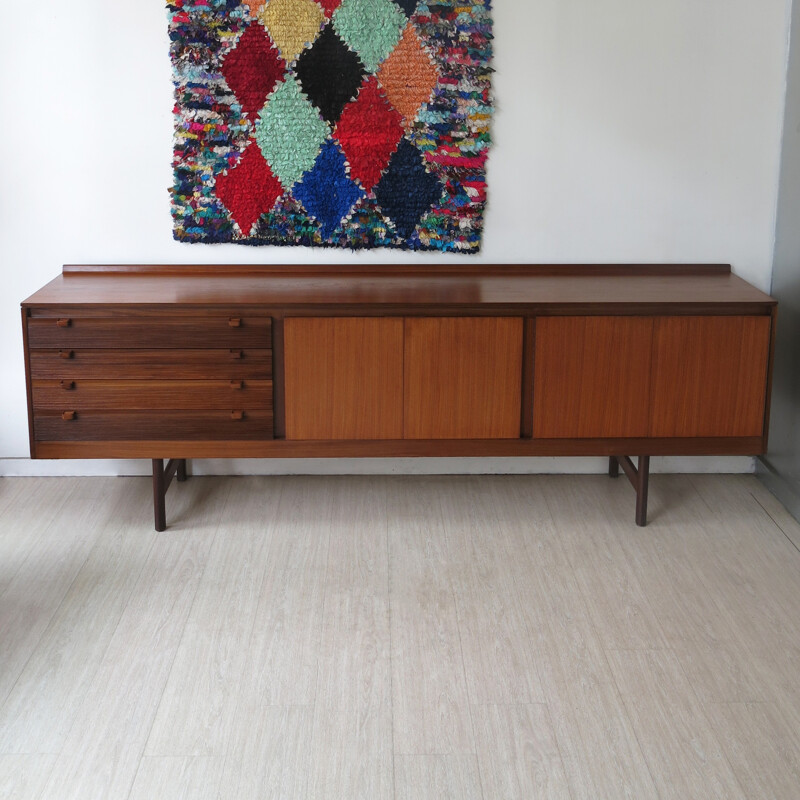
(345,123)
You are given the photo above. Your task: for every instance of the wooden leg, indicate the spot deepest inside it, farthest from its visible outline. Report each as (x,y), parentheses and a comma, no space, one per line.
(159,490)
(640,480)
(613,467)
(162,478)
(643,484)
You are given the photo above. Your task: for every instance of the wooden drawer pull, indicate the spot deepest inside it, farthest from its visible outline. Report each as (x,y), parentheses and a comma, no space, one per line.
(67,385)
(66,354)
(237,414)
(237,354)
(235,322)
(237,384)
(64,322)
(68,415)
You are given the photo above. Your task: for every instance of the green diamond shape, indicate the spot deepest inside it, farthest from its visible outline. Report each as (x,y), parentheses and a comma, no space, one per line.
(289,132)
(371,27)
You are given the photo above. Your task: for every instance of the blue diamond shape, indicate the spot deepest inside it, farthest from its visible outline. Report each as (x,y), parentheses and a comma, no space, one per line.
(407,190)
(326,190)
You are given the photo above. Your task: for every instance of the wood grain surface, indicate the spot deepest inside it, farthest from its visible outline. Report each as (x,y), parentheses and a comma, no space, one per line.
(343,378)
(600,289)
(90,425)
(161,332)
(119,364)
(710,376)
(592,377)
(463,378)
(139,395)
(392,448)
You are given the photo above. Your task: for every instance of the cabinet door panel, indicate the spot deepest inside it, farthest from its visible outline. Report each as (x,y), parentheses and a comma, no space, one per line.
(344,378)
(591,377)
(463,378)
(710,376)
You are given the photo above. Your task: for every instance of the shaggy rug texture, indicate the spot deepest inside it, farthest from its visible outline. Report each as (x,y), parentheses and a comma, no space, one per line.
(339,123)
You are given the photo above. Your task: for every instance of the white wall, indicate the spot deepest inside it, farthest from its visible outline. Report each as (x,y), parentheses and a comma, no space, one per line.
(626,130)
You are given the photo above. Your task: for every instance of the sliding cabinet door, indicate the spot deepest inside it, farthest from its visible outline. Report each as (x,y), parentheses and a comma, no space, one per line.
(344,378)
(463,377)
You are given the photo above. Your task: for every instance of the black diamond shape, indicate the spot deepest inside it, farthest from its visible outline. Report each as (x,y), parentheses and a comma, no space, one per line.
(407,190)
(330,74)
(409,6)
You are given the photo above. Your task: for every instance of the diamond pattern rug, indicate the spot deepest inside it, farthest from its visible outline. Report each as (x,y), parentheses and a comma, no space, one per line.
(339,123)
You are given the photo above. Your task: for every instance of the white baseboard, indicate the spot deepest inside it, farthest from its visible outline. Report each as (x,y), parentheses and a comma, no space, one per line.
(26,467)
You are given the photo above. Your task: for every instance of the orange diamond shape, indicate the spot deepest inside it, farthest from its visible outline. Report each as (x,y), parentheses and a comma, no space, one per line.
(254,6)
(408,76)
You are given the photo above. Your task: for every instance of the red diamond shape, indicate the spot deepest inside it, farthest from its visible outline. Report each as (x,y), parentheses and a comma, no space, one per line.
(329,6)
(369,130)
(253,68)
(249,189)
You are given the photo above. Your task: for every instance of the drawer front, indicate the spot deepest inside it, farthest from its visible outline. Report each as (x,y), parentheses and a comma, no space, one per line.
(70,364)
(149,332)
(88,426)
(110,395)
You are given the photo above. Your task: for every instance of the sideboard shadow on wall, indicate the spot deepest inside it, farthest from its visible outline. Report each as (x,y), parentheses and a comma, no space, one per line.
(181,362)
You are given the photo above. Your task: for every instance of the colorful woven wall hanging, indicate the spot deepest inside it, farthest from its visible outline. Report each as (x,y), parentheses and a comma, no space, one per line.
(348,123)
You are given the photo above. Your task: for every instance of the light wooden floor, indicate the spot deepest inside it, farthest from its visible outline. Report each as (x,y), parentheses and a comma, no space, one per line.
(408,638)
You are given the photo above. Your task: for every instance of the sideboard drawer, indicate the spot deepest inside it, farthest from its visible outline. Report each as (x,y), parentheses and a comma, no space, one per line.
(149,332)
(71,364)
(93,426)
(179,394)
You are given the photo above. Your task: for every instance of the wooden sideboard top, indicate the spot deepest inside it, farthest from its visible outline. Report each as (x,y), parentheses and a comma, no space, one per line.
(545,288)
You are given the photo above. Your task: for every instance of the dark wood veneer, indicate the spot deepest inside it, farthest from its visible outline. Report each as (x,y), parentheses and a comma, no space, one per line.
(113,364)
(132,425)
(397,448)
(82,331)
(110,395)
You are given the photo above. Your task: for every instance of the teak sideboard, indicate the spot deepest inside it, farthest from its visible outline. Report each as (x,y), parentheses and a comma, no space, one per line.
(173,363)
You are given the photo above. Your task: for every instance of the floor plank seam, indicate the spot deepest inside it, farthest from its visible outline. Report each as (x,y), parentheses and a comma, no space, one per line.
(56,608)
(636,737)
(463,666)
(776,523)
(552,724)
(177,649)
(391,648)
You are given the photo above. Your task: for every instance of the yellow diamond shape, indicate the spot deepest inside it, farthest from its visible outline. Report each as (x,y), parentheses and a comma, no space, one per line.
(292,24)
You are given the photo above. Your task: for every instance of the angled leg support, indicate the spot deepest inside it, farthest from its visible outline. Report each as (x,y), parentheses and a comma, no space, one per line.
(639,476)
(162,478)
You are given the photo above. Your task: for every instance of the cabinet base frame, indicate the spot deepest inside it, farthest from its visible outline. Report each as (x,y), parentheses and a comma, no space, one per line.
(640,480)
(639,476)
